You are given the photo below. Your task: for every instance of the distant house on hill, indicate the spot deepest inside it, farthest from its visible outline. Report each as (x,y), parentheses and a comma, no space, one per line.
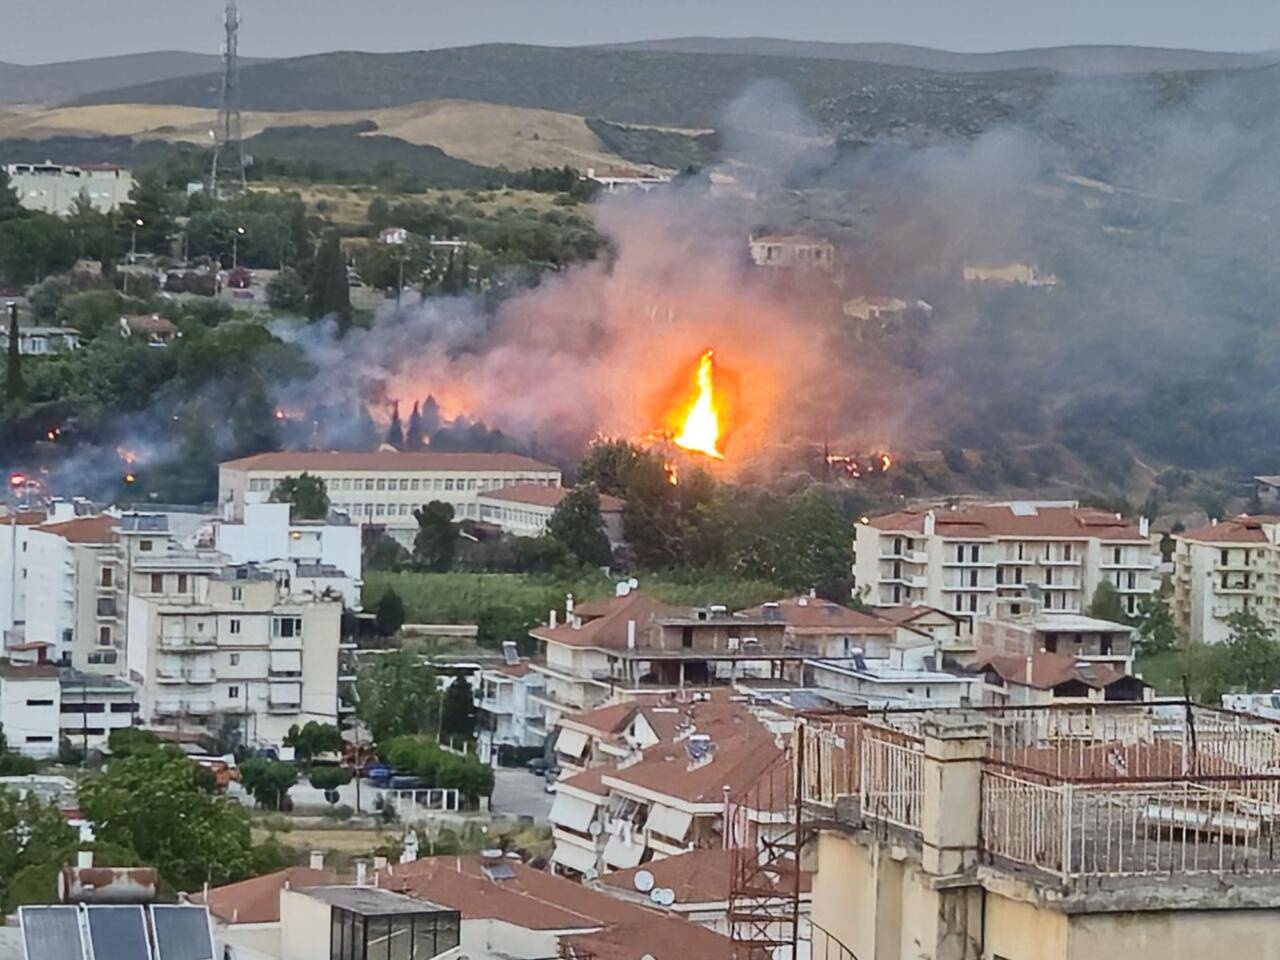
(155,329)
(795,250)
(1009,274)
(37,341)
(627,180)
(394,237)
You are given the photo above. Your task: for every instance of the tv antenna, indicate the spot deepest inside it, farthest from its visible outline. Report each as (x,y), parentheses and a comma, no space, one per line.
(227,172)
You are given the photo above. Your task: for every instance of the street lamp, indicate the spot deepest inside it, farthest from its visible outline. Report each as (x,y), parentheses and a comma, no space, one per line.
(133,243)
(235,247)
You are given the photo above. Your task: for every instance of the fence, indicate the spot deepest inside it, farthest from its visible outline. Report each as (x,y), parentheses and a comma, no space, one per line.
(415,804)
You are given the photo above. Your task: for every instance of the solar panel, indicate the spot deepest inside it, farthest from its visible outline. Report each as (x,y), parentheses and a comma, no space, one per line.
(118,933)
(51,933)
(509,653)
(182,933)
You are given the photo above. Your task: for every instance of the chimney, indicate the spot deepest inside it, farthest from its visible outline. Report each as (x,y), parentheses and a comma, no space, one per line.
(1144,527)
(813,593)
(568,606)
(631,634)
(317,860)
(1030,672)
(551,620)
(379,863)
(930,520)
(362,873)
(84,860)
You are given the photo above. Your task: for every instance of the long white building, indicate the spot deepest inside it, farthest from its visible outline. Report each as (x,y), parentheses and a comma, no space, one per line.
(960,561)
(383,488)
(1226,567)
(53,187)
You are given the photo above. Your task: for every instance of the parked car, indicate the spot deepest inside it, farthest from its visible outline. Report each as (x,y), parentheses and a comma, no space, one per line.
(538,766)
(378,775)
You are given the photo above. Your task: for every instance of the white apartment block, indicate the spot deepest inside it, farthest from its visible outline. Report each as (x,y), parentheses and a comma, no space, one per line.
(92,706)
(29,702)
(525,509)
(382,488)
(509,714)
(53,187)
(233,643)
(15,533)
(318,555)
(962,560)
(1227,567)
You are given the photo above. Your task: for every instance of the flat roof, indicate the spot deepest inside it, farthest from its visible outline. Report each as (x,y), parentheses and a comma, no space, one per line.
(1076,623)
(372,901)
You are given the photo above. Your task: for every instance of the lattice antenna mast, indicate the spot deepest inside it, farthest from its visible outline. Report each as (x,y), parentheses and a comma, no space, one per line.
(228,146)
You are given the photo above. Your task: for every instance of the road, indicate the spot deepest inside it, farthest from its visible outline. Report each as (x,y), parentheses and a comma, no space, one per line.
(519,793)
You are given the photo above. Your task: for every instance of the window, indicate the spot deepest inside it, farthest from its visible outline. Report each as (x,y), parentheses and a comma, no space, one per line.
(235,659)
(39,739)
(1051,643)
(973,578)
(1226,554)
(959,553)
(237,593)
(381,509)
(39,703)
(233,693)
(973,553)
(286,627)
(182,583)
(404,509)
(414,484)
(106,578)
(157,583)
(234,625)
(104,636)
(144,546)
(973,603)
(124,708)
(404,484)
(1066,551)
(1048,577)
(897,544)
(382,484)
(686,637)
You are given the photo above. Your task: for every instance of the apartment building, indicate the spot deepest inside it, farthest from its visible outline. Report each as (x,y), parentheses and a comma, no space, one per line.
(1226,567)
(77,568)
(92,705)
(15,532)
(510,717)
(1086,832)
(54,187)
(318,556)
(525,509)
(795,250)
(962,560)
(382,488)
(29,700)
(1032,632)
(233,642)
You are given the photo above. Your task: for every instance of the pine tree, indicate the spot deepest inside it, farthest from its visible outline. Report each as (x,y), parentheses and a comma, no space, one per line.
(430,416)
(395,432)
(13,368)
(10,207)
(413,437)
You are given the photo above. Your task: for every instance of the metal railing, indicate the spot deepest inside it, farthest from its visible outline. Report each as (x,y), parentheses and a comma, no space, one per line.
(892,782)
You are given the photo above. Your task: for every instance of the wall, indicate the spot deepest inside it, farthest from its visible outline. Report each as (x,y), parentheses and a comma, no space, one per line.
(49,559)
(1022,931)
(304,927)
(497,940)
(22,722)
(1172,935)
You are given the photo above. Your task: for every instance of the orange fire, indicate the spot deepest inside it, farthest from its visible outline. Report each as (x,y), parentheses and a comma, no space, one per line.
(698,426)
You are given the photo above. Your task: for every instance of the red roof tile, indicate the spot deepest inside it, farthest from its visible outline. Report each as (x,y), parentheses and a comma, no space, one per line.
(808,613)
(660,937)
(99,529)
(699,876)
(609,630)
(540,495)
(389,460)
(1048,670)
(258,900)
(999,520)
(1241,529)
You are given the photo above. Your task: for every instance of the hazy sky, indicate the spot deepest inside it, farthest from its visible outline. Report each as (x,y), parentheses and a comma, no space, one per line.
(38,31)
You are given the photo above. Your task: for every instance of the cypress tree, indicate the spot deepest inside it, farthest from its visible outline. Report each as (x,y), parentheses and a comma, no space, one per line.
(395,432)
(13,367)
(330,295)
(413,436)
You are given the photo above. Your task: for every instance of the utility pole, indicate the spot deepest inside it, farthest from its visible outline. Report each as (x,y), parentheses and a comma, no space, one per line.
(228,147)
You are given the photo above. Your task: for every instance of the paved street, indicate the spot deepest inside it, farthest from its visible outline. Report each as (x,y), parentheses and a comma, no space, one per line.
(520,793)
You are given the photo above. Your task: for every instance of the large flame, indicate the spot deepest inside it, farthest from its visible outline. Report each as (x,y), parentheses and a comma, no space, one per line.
(698,426)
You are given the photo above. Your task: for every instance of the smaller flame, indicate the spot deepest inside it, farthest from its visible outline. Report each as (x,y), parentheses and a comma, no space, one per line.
(673,473)
(128,456)
(129,478)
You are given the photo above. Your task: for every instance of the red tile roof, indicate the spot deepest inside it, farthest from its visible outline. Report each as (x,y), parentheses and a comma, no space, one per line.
(258,900)
(531,899)
(808,613)
(1241,529)
(659,937)
(741,754)
(99,529)
(390,460)
(909,614)
(540,495)
(699,876)
(609,630)
(1048,670)
(28,671)
(23,518)
(999,520)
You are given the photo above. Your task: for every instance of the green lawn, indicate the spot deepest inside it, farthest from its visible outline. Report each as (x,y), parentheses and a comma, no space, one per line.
(457,597)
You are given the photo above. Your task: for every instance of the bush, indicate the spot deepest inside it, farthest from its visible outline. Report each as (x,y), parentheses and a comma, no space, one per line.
(16,765)
(268,782)
(341,813)
(329,778)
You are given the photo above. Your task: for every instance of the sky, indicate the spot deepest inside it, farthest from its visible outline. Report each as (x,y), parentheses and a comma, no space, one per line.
(43,31)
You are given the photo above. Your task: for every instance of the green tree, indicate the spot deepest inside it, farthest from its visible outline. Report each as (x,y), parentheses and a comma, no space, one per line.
(312,739)
(389,614)
(1252,653)
(157,804)
(1106,604)
(87,225)
(458,713)
(127,741)
(436,542)
(1156,626)
(307,495)
(151,202)
(286,292)
(379,212)
(254,427)
(413,435)
(397,695)
(330,294)
(33,836)
(192,477)
(499,622)
(34,246)
(578,524)
(395,432)
(10,207)
(329,779)
(268,781)
(382,552)
(13,386)
(610,464)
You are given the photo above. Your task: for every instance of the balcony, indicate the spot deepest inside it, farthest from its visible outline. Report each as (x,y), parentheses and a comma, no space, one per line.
(1058,562)
(495,705)
(200,676)
(1236,587)
(1137,563)
(283,706)
(188,643)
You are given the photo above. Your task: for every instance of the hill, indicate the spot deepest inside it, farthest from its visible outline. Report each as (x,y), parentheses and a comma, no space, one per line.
(632,87)
(1092,59)
(58,82)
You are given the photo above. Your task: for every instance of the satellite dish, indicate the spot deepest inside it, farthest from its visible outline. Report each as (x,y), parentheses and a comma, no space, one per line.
(590,874)
(656,896)
(644,881)
(666,896)
(633,583)
(595,829)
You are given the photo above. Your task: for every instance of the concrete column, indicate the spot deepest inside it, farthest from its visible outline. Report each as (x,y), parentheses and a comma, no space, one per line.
(954,745)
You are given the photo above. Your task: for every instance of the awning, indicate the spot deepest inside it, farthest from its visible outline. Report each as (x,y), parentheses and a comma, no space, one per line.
(573,813)
(669,822)
(286,661)
(621,854)
(571,743)
(574,857)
